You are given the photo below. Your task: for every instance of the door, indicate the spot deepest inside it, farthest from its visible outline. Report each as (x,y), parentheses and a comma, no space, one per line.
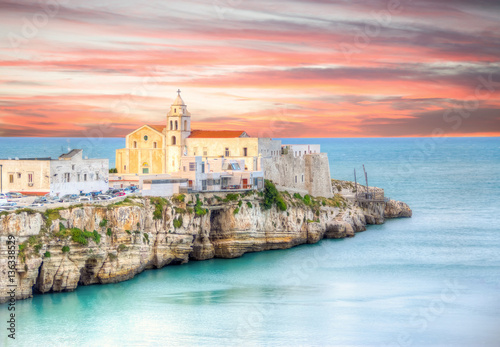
(245,183)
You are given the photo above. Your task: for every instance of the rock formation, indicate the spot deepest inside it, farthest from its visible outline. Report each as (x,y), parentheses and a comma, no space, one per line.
(60,249)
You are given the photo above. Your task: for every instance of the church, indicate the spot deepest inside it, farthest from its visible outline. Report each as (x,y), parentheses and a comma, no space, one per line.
(158,149)
(174,149)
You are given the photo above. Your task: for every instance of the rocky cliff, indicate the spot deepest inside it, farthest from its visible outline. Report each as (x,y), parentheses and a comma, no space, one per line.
(60,249)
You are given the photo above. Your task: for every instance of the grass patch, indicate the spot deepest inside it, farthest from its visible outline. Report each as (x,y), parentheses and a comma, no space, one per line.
(47,254)
(231,197)
(103,223)
(65,249)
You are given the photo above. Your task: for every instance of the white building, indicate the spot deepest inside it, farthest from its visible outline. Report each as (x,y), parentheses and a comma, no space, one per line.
(68,174)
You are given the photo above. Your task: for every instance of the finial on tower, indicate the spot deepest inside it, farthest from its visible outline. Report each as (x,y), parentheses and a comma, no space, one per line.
(178,92)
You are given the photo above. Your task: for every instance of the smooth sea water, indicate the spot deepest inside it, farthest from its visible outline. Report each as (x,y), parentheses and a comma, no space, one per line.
(433,279)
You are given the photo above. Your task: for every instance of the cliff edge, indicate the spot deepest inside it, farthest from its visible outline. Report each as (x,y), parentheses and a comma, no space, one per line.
(58,249)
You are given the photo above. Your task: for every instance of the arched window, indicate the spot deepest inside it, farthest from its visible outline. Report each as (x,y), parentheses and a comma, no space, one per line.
(176,125)
(175,110)
(154,145)
(135,144)
(174,140)
(171,126)
(185,125)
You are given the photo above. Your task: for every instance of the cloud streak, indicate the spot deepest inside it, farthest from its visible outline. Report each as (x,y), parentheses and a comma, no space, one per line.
(274,69)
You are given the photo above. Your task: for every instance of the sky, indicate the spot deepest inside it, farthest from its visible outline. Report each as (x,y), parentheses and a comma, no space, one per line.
(285,68)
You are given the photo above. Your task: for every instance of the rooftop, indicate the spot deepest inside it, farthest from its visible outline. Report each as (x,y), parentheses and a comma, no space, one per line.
(217,134)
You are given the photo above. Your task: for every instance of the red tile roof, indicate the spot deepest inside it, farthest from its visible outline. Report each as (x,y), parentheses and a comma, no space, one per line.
(216,134)
(157,127)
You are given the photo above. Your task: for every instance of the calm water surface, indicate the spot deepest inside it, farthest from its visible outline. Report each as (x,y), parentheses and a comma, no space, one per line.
(433,279)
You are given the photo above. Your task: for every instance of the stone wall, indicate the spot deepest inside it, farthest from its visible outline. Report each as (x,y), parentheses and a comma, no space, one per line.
(306,174)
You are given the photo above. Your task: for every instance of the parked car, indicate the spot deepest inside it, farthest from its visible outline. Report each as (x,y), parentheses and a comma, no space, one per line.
(84,199)
(68,198)
(14,195)
(104,197)
(119,194)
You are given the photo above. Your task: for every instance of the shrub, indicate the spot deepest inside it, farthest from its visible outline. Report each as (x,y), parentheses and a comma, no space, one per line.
(159,206)
(249,204)
(122,247)
(109,232)
(198,209)
(112,256)
(236,210)
(272,196)
(47,254)
(297,196)
(217,197)
(128,232)
(103,223)
(180,210)
(307,200)
(240,203)
(179,198)
(96,237)
(22,247)
(146,236)
(178,222)
(231,197)
(65,249)
(38,247)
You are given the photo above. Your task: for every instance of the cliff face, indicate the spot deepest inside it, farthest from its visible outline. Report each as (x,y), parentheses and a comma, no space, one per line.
(61,249)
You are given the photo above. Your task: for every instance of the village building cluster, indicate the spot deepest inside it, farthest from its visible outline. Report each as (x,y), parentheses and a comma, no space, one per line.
(172,158)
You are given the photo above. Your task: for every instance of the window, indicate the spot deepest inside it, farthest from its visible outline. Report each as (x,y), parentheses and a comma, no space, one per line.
(245,152)
(192,166)
(217,182)
(18,175)
(67,177)
(202,167)
(145,137)
(97,176)
(85,177)
(30,177)
(184,168)
(135,144)
(176,125)
(174,140)
(295,179)
(78,177)
(235,166)
(185,125)
(72,167)
(175,110)
(145,170)
(302,178)
(195,149)
(205,151)
(11,178)
(124,167)
(226,152)
(171,125)
(154,145)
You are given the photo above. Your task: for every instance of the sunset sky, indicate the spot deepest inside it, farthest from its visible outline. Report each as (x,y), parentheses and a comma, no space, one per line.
(284,68)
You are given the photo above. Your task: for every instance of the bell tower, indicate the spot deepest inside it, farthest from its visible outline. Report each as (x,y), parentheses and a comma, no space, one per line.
(178,129)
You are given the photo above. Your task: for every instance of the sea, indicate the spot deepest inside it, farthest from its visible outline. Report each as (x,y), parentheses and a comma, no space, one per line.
(430,280)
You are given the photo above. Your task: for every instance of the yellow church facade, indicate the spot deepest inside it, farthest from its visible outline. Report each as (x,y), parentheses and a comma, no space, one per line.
(158,149)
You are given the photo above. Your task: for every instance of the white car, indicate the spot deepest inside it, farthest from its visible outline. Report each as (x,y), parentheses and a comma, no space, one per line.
(3,199)
(85,199)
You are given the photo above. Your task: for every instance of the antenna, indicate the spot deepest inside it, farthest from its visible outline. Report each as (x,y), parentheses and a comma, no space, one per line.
(356,185)
(366,179)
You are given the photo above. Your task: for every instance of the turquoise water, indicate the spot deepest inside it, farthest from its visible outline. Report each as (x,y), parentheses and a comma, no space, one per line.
(433,279)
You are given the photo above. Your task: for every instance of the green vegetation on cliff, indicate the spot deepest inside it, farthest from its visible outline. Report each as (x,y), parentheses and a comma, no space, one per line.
(272,197)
